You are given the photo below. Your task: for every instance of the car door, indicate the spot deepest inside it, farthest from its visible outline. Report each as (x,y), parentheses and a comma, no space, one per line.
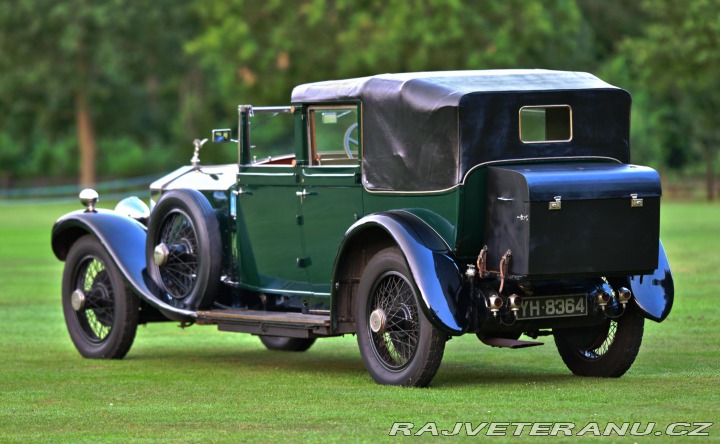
(269,240)
(269,244)
(330,189)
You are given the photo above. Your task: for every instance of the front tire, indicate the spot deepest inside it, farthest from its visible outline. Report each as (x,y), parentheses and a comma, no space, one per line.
(101,314)
(281,343)
(607,351)
(398,345)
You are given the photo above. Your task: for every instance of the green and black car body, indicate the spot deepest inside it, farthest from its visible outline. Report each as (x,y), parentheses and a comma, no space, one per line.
(403,208)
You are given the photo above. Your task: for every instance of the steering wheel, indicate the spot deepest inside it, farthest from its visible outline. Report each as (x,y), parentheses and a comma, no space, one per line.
(347,140)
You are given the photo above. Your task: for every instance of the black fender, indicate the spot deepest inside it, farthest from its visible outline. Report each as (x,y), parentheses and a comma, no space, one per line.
(654,293)
(124,240)
(435,273)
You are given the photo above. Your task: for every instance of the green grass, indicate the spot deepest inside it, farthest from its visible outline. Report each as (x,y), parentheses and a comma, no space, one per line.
(198,384)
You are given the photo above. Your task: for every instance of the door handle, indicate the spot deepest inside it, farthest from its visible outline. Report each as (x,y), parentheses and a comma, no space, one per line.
(305,193)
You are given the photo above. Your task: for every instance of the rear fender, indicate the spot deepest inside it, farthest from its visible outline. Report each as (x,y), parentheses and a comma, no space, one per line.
(435,274)
(654,293)
(124,240)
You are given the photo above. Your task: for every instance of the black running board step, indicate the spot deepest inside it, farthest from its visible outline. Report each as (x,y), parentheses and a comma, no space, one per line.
(271,323)
(509,343)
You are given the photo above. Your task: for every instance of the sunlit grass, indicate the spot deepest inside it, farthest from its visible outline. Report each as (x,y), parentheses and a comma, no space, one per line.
(197,384)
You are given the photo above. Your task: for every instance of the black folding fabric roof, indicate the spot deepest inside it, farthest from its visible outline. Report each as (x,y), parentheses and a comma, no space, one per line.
(425,131)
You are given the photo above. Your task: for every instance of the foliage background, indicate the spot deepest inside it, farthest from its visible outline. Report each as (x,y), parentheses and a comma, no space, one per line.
(125,86)
(140,80)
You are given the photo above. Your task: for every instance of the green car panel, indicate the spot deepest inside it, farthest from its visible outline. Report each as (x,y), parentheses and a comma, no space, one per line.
(333,201)
(268,209)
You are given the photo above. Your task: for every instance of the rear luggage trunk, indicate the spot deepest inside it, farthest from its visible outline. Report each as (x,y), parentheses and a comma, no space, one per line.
(579,219)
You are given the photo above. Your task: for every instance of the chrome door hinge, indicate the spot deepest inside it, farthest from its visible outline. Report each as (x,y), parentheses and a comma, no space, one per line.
(635,202)
(303,262)
(557,205)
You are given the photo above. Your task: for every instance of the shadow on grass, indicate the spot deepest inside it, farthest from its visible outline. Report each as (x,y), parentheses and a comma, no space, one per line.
(346,363)
(496,376)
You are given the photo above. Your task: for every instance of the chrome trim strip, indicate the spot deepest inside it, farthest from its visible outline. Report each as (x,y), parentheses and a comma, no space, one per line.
(492,162)
(328,175)
(282,291)
(533,159)
(264,164)
(242,173)
(273,109)
(410,192)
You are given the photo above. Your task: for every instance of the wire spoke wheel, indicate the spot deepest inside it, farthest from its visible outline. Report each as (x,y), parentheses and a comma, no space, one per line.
(180,270)
(97,316)
(184,249)
(101,314)
(608,350)
(397,344)
(601,347)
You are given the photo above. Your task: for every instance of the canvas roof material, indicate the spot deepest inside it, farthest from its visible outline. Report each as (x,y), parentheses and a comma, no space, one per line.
(448,85)
(425,131)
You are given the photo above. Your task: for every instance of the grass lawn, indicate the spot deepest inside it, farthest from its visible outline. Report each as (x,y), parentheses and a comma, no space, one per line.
(198,384)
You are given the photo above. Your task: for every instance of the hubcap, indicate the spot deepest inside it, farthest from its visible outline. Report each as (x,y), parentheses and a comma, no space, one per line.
(160,255)
(377,321)
(77,300)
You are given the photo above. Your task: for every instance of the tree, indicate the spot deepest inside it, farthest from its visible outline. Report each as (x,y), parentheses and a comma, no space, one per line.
(677,57)
(107,69)
(611,22)
(260,50)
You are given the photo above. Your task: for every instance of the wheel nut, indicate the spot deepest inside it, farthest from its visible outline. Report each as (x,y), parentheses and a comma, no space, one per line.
(160,255)
(77,300)
(377,321)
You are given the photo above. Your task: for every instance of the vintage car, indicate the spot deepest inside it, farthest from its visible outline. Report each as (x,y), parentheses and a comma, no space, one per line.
(402,208)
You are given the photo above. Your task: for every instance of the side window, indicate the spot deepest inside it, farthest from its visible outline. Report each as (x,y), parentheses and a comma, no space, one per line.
(334,135)
(272,135)
(540,124)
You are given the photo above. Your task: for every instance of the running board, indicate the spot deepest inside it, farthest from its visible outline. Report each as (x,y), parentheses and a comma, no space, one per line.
(270,323)
(509,343)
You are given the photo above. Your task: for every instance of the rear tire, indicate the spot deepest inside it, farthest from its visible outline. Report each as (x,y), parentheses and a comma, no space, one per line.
(101,314)
(607,351)
(406,349)
(281,343)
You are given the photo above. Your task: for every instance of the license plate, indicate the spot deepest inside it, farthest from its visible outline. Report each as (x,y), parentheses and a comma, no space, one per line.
(553,307)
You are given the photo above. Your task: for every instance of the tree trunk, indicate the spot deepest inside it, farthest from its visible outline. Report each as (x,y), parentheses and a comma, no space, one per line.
(86,138)
(710,173)
(7,179)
